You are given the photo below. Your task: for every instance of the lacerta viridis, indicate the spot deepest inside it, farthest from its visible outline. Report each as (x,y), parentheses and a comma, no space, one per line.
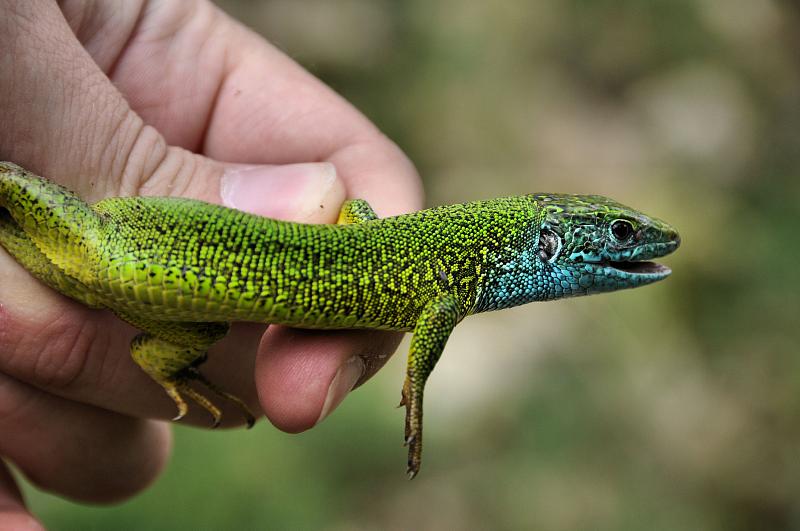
(181,270)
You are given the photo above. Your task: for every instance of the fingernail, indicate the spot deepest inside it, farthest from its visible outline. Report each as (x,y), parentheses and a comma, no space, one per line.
(346,377)
(309,192)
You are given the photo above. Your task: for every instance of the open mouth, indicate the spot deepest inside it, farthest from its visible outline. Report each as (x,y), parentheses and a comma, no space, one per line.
(641,268)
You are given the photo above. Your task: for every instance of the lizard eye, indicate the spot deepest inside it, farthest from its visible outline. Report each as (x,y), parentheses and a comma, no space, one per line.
(621,230)
(549,245)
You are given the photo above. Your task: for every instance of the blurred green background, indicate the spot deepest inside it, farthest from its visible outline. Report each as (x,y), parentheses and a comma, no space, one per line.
(676,406)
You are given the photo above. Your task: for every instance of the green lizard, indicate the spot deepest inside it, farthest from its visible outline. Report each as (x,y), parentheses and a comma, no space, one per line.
(180,270)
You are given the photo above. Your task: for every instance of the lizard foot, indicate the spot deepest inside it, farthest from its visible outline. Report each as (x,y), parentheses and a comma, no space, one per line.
(174,366)
(249,418)
(173,392)
(205,403)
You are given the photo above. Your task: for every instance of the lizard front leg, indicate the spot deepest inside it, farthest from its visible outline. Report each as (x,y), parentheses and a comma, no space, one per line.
(433,328)
(355,211)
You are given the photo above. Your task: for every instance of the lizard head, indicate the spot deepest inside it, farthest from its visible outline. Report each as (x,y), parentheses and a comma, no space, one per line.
(591,244)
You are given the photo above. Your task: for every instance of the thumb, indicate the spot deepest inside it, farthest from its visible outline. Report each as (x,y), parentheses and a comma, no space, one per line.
(307,192)
(65,120)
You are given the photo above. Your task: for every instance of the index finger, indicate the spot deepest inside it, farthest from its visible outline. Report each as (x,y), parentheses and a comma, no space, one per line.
(258,105)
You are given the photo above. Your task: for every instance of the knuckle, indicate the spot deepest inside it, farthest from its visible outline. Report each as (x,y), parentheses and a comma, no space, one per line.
(151,167)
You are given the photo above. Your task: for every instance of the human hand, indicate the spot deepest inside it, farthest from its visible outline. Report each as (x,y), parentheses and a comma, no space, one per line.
(145,98)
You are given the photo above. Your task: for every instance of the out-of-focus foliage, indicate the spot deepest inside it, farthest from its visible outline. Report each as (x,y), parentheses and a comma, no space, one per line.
(675,406)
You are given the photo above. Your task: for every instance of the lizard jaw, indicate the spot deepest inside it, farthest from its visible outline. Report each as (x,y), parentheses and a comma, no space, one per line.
(641,268)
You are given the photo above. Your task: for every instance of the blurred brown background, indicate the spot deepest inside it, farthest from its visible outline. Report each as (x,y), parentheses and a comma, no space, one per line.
(671,407)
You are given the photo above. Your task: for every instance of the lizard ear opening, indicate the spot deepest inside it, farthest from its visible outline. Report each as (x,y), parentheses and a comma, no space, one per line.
(549,245)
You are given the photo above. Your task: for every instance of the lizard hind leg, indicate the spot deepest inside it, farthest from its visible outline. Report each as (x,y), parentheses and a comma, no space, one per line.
(17,243)
(64,229)
(174,367)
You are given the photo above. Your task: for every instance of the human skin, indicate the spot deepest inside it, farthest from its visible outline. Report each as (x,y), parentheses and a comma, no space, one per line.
(121,97)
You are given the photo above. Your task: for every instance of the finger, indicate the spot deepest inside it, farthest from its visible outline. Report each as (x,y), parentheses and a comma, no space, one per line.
(315,124)
(14,516)
(78,451)
(61,117)
(302,375)
(211,95)
(64,119)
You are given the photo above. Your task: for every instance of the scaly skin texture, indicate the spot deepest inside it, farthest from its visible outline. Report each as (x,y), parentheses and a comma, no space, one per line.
(181,270)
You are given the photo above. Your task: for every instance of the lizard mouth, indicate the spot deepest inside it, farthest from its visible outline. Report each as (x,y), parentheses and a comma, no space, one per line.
(641,268)
(644,268)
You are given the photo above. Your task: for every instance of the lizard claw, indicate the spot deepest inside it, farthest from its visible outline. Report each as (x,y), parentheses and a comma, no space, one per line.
(413,463)
(173,391)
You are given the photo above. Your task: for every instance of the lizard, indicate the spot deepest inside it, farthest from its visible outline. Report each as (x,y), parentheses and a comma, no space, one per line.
(181,270)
